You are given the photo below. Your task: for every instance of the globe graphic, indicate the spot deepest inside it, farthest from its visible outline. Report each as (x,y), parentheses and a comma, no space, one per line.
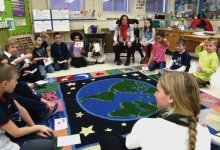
(117,99)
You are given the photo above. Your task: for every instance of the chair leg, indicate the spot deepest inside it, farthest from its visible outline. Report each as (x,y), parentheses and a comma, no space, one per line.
(133,58)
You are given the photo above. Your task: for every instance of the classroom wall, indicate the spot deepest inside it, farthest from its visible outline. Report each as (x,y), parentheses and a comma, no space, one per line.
(103,16)
(91,4)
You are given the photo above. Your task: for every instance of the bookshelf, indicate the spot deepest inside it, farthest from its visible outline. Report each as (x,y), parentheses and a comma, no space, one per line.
(25,44)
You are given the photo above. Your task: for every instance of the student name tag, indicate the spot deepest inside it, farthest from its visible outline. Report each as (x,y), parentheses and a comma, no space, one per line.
(78,44)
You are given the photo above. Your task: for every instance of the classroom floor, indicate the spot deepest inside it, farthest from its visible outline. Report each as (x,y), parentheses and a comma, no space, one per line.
(213,90)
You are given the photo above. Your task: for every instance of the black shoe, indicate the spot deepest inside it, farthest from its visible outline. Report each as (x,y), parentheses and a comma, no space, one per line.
(119,62)
(142,60)
(47,115)
(127,63)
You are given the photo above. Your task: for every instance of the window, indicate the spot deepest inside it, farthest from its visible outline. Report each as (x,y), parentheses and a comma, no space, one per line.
(115,5)
(74,5)
(156,5)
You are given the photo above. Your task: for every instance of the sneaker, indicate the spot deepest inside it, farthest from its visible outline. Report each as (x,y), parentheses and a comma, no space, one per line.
(47,115)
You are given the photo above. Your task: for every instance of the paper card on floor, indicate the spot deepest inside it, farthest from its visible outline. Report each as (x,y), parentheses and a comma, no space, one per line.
(78,44)
(68,140)
(213,120)
(97,47)
(60,124)
(41,82)
(48,62)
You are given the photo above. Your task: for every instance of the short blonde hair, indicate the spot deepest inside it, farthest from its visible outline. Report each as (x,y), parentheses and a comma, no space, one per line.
(9,42)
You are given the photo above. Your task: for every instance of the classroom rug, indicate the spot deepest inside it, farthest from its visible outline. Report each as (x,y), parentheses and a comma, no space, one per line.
(105,101)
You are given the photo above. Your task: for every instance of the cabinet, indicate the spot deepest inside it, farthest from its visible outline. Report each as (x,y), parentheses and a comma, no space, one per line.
(173,35)
(4,34)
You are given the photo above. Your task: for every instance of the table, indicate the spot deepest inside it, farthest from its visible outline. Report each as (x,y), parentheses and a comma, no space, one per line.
(194,40)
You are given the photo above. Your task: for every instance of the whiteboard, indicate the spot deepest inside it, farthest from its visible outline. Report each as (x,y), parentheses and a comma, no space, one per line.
(41,14)
(60,14)
(42,26)
(61,25)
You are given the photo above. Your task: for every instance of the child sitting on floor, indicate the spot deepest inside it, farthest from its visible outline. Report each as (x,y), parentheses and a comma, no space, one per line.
(96,53)
(41,56)
(208,63)
(181,58)
(24,134)
(158,56)
(77,51)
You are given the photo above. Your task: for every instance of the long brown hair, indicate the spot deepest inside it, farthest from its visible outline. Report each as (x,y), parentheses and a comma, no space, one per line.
(184,91)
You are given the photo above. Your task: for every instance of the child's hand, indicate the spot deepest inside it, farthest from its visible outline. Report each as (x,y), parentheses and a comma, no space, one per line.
(202,43)
(129,43)
(165,41)
(115,43)
(44,58)
(199,68)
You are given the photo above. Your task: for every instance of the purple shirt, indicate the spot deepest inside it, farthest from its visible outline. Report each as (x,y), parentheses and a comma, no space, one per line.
(75,50)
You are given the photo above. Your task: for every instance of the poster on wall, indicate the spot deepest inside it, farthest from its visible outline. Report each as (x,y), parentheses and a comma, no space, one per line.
(139,4)
(2,6)
(18,8)
(10,23)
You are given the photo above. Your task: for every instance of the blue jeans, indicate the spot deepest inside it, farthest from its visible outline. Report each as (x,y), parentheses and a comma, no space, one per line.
(45,69)
(154,65)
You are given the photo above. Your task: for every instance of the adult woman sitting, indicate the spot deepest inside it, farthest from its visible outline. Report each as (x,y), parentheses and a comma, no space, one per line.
(123,39)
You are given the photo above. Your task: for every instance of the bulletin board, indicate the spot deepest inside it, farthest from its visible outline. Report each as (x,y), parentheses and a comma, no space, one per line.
(50,20)
(20,22)
(209,5)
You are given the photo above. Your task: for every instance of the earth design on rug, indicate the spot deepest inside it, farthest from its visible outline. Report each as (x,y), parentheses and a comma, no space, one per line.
(117,99)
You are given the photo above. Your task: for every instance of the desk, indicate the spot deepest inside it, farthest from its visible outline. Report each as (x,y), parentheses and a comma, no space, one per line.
(173,35)
(193,40)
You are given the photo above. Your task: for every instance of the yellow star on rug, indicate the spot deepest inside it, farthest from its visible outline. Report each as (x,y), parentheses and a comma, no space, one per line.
(135,74)
(108,130)
(87,131)
(70,84)
(79,115)
(73,88)
(123,124)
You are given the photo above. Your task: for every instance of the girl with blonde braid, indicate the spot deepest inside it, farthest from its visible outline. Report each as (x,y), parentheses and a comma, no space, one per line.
(175,126)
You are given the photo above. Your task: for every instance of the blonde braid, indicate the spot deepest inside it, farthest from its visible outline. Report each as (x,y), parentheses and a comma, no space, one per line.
(192,133)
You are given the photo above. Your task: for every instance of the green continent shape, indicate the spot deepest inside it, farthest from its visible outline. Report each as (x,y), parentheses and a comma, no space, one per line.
(128,86)
(103,96)
(136,109)
(49,87)
(149,90)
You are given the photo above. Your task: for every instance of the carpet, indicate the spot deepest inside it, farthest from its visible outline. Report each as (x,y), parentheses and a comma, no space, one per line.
(107,101)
